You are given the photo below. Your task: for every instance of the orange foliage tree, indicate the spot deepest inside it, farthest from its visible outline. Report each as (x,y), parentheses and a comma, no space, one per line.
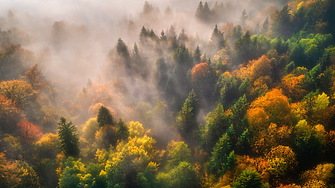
(29,131)
(260,68)
(199,71)
(276,107)
(292,86)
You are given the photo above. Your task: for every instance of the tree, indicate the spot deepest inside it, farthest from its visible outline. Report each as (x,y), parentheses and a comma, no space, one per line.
(265,28)
(243,17)
(243,48)
(248,179)
(186,120)
(223,158)
(29,131)
(68,138)
(182,176)
(282,24)
(17,90)
(104,117)
(196,56)
(217,39)
(122,130)
(34,77)
(178,152)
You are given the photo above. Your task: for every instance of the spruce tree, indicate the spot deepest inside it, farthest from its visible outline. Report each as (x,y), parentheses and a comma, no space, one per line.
(186,120)
(69,141)
(122,130)
(265,28)
(104,117)
(197,55)
(243,17)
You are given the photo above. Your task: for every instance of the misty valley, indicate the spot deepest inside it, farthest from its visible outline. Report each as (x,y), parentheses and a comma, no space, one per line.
(167,94)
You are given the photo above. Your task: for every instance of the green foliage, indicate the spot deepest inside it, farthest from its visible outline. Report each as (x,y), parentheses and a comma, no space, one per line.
(69,141)
(242,144)
(71,176)
(321,102)
(217,39)
(245,87)
(122,130)
(282,24)
(182,176)
(223,158)
(104,117)
(147,178)
(307,144)
(90,128)
(186,121)
(178,152)
(196,55)
(225,89)
(248,179)
(218,121)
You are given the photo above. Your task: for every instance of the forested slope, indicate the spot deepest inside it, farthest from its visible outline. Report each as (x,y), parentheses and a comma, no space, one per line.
(252,106)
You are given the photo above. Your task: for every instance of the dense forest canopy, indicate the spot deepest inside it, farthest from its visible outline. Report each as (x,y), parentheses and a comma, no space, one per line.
(173,94)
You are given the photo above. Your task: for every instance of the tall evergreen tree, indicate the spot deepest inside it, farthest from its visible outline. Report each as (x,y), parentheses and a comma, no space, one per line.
(243,17)
(265,28)
(217,38)
(282,24)
(122,130)
(104,117)
(197,55)
(186,120)
(69,141)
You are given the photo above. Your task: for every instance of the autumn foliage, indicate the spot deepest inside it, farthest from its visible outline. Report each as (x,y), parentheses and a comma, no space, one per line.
(199,71)
(29,131)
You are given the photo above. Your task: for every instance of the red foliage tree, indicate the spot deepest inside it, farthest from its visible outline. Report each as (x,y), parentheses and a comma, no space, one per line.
(29,131)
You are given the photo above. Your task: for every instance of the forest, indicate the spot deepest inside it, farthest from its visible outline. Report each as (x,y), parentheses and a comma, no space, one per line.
(226,94)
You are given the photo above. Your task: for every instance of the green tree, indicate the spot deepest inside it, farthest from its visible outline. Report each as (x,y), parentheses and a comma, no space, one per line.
(196,56)
(223,158)
(182,176)
(122,130)
(186,120)
(68,138)
(217,39)
(178,152)
(248,179)
(282,24)
(104,117)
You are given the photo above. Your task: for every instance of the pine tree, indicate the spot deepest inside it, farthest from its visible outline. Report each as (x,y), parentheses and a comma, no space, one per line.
(243,17)
(104,117)
(186,120)
(68,138)
(182,37)
(122,130)
(217,39)
(200,9)
(265,28)
(197,55)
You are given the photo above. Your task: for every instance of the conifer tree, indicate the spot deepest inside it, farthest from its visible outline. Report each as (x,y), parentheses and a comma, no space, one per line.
(186,119)
(243,17)
(104,117)
(265,28)
(68,138)
(197,54)
(122,130)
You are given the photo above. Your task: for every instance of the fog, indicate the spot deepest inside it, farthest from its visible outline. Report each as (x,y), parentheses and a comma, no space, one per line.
(74,41)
